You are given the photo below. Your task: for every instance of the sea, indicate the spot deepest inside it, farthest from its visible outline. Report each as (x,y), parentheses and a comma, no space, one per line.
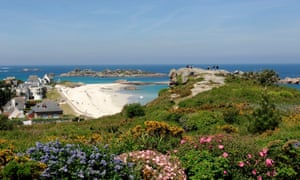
(144,93)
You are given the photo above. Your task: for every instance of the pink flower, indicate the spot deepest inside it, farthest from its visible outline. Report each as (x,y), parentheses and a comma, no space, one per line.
(205,140)
(271,174)
(225,154)
(249,156)
(208,139)
(221,146)
(254,171)
(225,172)
(269,162)
(264,152)
(202,140)
(261,154)
(183,141)
(241,164)
(259,178)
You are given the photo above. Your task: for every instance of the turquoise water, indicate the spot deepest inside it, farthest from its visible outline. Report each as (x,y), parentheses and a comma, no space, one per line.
(146,93)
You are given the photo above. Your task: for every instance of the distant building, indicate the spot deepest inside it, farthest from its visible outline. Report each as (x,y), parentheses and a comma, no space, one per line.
(15,108)
(46,109)
(33,88)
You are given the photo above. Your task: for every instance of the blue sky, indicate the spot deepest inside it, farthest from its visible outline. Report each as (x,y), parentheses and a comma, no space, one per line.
(149,31)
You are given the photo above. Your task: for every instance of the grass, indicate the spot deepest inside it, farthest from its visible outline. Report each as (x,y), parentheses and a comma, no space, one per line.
(241,94)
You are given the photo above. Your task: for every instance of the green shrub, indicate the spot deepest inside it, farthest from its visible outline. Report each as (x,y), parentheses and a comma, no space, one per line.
(230,115)
(163,91)
(174,117)
(133,110)
(5,124)
(286,155)
(22,168)
(266,117)
(203,121)
(229,129)
(267,77)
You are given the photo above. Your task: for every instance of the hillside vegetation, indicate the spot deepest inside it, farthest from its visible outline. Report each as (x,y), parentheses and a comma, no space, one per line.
(248,128)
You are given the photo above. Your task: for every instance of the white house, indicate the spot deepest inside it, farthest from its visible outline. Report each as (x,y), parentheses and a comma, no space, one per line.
(15,108)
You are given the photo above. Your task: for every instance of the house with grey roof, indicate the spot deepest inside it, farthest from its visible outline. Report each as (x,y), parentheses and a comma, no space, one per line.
(15,108)
(46,109)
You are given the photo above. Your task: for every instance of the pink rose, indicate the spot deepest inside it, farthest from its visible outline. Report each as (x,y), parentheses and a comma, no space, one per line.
(249,156)
(254,172)
(259,178)
(225,154)
(225,172)
(183,141)
(261,154)
(205,140)
(269,162)
(208,139)
(221,146)
(202,140)
(241,164)
(264,152)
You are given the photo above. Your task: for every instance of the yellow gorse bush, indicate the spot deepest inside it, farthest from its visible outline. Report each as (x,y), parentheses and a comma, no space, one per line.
(294,118)
(155,128)
(162,129)
(6,155)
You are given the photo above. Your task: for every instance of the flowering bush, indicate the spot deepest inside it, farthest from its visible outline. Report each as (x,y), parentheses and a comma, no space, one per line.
(217,156)
(256,166)
(155,165)
(153,135)
(204,158)
(79,162)
(287,158)
(21,167)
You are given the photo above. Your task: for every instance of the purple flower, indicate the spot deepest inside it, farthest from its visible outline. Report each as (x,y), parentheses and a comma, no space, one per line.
(103,162)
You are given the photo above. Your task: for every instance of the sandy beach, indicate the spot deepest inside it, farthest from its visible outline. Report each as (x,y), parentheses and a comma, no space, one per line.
(95,100)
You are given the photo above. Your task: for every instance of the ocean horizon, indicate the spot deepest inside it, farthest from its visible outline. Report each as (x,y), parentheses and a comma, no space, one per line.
(145,93)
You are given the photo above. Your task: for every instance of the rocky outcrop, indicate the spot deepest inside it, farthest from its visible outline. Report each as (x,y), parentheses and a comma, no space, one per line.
(111,73)
(289,80)
(182,75)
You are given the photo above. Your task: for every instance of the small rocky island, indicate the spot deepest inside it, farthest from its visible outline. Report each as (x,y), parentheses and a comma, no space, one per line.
(111,73)
(289,80)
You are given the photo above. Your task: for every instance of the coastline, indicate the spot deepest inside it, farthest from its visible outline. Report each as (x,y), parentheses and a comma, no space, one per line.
(95,100)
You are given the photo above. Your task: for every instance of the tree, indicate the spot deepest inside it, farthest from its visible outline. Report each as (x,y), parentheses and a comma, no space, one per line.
(266,117)
(267,77)
(6,93)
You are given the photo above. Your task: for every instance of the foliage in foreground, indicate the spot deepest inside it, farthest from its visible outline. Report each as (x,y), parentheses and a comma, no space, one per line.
(79,162)
(224,157)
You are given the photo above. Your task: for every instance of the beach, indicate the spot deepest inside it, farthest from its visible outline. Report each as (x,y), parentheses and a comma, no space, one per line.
(95,100)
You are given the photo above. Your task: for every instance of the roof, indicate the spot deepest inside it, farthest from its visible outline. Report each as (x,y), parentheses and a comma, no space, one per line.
(18,102)
(47,107)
